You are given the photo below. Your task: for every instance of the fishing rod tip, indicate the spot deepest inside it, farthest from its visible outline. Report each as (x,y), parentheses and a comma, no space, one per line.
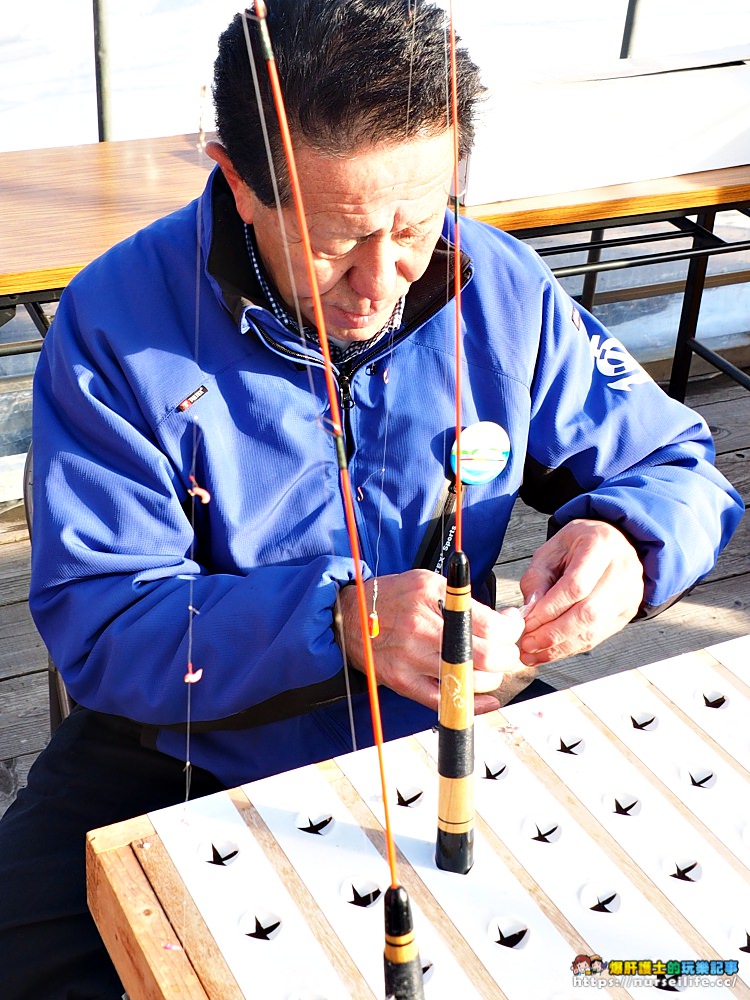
(458,572)
(401,962)
(398,918)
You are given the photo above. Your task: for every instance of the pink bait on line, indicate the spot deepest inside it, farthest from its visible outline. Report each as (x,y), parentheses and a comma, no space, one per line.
(198,491)
(193,676)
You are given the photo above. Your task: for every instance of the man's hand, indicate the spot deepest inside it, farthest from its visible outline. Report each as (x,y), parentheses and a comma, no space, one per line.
(407,650)
(588,584)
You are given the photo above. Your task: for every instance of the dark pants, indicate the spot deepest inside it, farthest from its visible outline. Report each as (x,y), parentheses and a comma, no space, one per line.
(94,772)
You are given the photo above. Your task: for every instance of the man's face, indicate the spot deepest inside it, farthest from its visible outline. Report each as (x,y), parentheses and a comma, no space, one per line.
(374,219)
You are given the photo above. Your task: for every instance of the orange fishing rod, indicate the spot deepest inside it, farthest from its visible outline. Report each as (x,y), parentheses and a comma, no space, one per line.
(402,963)
(454,847)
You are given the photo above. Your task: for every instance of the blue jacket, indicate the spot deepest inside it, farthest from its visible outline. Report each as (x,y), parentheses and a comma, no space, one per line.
(146,379)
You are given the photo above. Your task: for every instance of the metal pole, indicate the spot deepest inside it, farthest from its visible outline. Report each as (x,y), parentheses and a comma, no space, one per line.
(691,307)
(101,62)
(627,34)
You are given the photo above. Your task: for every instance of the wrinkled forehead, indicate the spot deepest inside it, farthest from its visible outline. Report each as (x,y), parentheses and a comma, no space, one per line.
(378,186)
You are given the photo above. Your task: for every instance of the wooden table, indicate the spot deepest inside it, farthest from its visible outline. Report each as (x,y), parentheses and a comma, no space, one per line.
(63,207)
(602,206)
(673,200)
(612,821)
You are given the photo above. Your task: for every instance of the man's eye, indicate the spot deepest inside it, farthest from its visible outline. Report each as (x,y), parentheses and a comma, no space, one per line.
(335,251)
(330,254)
(409,236)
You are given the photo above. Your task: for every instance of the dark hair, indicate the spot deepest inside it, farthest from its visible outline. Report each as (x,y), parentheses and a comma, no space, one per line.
(353,72)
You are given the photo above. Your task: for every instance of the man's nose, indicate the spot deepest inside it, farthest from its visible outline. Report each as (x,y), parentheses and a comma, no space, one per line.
(373,274)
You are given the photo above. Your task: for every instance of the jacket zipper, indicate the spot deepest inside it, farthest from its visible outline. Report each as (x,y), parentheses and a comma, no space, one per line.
(345,391)
(343,378)
(438,537)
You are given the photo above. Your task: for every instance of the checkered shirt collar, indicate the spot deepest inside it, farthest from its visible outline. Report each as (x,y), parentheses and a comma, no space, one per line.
(338,354)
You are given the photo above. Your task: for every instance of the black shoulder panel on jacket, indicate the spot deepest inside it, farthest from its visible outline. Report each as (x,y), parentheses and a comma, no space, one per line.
(547,489)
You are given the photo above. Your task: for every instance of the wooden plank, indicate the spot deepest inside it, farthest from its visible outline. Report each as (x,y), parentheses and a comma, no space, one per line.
(15,571)
(140,940)
(712,388)
(666,194)
(729,421)
(97,194)
(13,525)
(714,612)
(24,721)
(528,529)
(735,465)
(208,962)
(21,648)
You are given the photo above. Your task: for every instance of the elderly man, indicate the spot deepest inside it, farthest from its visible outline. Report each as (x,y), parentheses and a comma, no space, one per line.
(185,365)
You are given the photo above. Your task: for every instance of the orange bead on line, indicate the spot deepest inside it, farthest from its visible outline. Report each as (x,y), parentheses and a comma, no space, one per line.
(374,624)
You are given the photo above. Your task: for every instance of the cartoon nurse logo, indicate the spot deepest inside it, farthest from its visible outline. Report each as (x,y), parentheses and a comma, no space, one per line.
(581,966)
(588,965)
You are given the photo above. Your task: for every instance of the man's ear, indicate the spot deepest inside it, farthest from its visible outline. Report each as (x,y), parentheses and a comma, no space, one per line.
(243,196)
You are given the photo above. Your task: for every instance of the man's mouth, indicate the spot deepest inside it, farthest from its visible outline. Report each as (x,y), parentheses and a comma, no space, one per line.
(352,320)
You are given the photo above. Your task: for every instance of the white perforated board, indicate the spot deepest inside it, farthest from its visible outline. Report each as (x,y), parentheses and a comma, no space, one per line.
(611,821)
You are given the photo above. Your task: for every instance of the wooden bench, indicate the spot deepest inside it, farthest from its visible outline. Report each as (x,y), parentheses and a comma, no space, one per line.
(65,206)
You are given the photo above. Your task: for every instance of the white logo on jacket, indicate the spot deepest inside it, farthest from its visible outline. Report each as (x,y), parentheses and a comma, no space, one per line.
(614,361)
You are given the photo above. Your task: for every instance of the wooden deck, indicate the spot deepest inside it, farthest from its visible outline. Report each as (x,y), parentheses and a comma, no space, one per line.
(718,608)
